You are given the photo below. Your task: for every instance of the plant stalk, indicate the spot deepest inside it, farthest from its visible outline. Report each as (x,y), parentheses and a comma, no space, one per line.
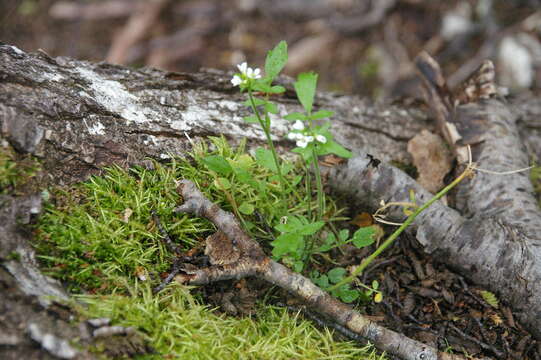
(398,231)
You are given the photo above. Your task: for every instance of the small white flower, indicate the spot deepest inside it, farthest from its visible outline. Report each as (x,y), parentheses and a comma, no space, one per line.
(236,81)
(322,139)
(242,67)
(246,73)
(302,143)
(309,139)
(257,73)
(292,136)
(298,125)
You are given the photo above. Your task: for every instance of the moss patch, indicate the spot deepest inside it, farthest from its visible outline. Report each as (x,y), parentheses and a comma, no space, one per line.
(16,171)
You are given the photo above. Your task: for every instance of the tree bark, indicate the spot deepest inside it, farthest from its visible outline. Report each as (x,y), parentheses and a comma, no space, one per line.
(78,117)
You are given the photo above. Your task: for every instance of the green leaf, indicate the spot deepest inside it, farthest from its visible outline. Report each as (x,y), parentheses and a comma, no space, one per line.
(250,119)
(245,177)
(322,281)
(305,86)
(306,153)
(321,114)
(348,295)
(277,89)
(336,274)
(271,107)
(298,265)
(222,183)
(331,147)
(246,208)
(328,244)
(275,61)
(295,116)
(364,236)
(264,158)
(343,235)
(310,229)
(262,86)
(490,298)
(218,163)
(257,102)
(292,224)
(287,243)
(286,167)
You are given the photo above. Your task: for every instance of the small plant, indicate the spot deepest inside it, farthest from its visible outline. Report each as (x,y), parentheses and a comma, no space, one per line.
(295,244)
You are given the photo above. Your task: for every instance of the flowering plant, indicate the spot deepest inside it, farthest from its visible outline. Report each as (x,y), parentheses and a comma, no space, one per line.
(299,234)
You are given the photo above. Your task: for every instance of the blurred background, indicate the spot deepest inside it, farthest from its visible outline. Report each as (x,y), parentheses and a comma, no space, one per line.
(357,46)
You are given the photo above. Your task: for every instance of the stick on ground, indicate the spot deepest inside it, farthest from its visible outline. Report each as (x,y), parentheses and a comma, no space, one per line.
(253,262)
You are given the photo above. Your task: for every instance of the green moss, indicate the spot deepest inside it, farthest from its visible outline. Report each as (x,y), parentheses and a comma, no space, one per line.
(99,238)
(179,327)
(16,171)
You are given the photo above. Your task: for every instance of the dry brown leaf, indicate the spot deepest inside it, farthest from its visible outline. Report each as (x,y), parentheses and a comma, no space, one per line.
(432,158)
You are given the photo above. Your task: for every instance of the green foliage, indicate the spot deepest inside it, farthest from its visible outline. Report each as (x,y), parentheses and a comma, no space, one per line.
(94,243)
(16,171)
(305,87)
(361,238)
(291,245)
(275,61)
(178,326)
(490,298)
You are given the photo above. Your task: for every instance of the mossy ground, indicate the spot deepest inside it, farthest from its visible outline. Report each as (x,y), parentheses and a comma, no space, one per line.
(99,238)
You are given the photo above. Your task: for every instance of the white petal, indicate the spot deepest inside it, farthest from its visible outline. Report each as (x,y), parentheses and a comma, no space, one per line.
(299,136)
(236,81)
(298,125)
(257,73)
(301,143)
(309,139)
(242,67)
(322,139)
(250,73)
(292,136)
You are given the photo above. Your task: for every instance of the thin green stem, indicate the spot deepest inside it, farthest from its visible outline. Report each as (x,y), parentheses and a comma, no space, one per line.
(398,231)
(319,184)
(266,129)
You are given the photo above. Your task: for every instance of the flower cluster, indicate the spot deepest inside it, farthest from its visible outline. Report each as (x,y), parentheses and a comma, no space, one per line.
(246,74)
(302,137)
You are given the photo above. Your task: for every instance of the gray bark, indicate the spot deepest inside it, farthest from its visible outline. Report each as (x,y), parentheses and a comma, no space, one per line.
(78,117)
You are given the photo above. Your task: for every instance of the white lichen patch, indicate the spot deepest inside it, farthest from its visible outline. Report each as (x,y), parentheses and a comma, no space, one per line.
(53,77)
(96,128)
(151,139)
(229,105)
(17,50)
(113,96)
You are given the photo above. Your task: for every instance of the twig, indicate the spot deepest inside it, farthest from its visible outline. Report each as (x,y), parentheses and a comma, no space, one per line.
(325,323)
